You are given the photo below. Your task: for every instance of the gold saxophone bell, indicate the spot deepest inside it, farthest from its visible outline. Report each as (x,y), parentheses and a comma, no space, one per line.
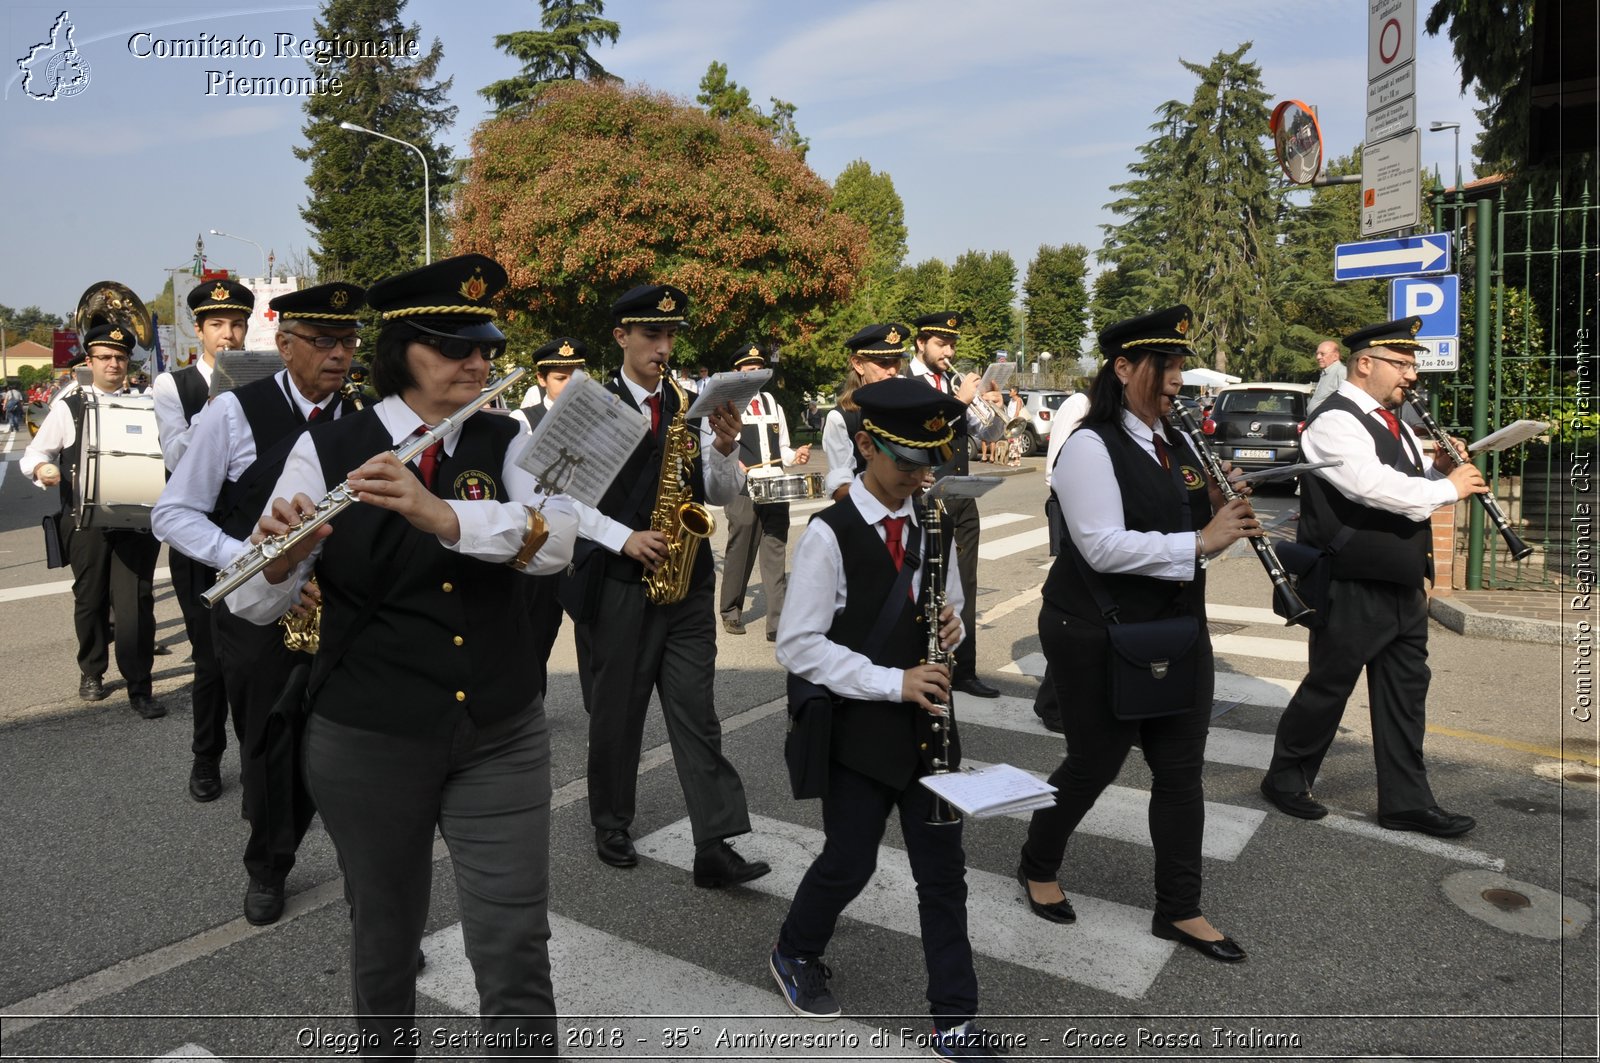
(676,514)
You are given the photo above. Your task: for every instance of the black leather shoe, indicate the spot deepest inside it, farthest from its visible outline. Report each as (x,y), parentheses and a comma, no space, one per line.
(91,689)
(1052,723)
(1301,804)
(733,627)
(718,865)
(422,960)
(263,904)
(772,636)
(1435,821)
(146,706)
(614,847)
(1225,951)
(205,779)
(1055,911)
(976,687)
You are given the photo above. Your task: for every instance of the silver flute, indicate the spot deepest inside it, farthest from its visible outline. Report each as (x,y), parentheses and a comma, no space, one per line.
(246,565)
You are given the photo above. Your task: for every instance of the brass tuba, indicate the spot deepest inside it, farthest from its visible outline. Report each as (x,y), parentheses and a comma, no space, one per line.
(107,302)
(684,522)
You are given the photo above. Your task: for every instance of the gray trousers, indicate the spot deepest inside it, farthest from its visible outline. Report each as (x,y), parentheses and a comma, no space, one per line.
(636,647)
(488,793)
(1384,628)
(754,530)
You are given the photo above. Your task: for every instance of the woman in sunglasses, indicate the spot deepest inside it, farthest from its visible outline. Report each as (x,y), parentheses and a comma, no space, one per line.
(424,706)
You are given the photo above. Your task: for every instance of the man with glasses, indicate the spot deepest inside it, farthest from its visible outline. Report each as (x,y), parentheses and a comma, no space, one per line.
(113,569)
(209,508)
(1369,515)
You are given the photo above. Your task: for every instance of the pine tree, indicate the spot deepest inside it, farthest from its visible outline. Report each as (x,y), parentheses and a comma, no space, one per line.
(730,101)
(365,194)
(559,52)
(1055,300)
(1140,274)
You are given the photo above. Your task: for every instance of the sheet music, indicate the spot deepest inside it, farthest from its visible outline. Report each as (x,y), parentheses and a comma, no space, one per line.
(964,486)
(996,790)
(995,377)
(583,441)
(737,387)
(1283,472)
(235,369)
(1509,436)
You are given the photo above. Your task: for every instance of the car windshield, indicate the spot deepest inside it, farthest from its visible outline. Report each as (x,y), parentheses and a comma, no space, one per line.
(1257,402)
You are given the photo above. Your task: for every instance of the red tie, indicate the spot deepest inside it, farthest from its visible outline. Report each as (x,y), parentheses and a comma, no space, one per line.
(938,381)
(893,530)
(1163,454)
(755,407)
(428,460)
(1391,420)
(316,411)
(654,402)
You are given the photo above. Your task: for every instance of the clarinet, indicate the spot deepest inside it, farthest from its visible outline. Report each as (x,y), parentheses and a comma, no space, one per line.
(933,601)
(1519,549)
(1289,602)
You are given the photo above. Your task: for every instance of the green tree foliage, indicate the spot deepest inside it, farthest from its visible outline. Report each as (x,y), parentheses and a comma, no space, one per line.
(728,100)
(1055,301)
(364,194)
(921,289)
(983,285)
(29,323)
(1493,44)
(561,51)
(1141,274)
(603,187)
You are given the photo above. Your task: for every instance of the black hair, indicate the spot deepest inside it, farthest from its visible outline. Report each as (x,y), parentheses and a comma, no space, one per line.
(390,372)
(1107,396)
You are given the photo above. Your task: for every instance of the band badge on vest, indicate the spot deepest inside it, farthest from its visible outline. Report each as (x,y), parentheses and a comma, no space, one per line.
(475,485)
(1192,480)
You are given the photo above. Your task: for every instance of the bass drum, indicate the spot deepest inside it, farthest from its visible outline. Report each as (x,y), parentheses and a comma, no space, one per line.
(120,473)
(798,487)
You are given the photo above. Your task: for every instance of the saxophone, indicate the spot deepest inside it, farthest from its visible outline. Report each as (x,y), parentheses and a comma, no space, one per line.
(684,522)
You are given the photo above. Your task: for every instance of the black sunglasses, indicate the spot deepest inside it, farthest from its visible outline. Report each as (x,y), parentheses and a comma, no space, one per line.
(457,349)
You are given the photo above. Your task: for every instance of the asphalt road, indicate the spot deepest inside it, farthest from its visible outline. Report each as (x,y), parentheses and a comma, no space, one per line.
(121,935)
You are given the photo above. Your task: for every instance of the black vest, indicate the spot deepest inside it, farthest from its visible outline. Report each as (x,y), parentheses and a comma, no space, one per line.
(632,496)
(1153,499)
(1385,546)
(750,441)
(452,633)
(275,423)
(192,390)
(893,743)
(957,465)
(534,414)
(67,460)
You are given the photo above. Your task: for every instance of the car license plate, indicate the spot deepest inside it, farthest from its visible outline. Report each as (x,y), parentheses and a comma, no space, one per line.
(1256,455)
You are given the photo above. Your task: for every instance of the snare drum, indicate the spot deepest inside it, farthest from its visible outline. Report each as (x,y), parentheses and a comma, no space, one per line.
(797,487)
(120,473)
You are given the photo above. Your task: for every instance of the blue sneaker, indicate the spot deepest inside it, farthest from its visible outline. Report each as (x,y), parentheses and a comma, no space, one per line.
(967,1041)
(804,984)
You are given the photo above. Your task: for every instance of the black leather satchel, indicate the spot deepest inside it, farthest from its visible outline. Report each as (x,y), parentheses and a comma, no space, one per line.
(578,589)
(1154,666)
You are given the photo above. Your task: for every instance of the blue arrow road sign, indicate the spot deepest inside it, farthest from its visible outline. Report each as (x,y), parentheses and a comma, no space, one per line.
(1436,300)
(1402,257)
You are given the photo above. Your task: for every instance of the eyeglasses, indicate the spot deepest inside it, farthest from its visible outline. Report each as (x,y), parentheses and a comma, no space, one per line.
(900,464)
(328,343)
(457,349)
(109,357)
(1399,363)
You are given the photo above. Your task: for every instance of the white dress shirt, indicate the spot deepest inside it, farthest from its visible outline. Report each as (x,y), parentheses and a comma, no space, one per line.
(817,595)
(490,531)
(56,435)
(840,450)
(1068,416)
(1091,503)
(219,448)
(919,368)
(170,422)
(723,477)
(1338,435)
(771,412)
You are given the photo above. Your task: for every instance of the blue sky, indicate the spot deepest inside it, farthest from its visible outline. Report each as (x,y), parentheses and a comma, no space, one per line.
(1032,109)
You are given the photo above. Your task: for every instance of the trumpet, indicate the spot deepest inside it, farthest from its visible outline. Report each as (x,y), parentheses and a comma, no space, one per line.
(933,600)
(1288,600)
(1519,549)
(262,554)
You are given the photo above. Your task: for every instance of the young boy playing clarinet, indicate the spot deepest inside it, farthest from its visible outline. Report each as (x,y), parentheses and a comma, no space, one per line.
(852,624)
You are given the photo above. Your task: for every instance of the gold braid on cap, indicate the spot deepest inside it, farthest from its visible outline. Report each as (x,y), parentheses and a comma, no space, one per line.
(632,320)
(938,328)
(207,308)
(440,311)
(1159,342)
(307,315)
(920,444)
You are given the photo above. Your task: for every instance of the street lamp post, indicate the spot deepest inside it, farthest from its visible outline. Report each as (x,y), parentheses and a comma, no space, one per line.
(245,240)
(427,198)
(1439,127)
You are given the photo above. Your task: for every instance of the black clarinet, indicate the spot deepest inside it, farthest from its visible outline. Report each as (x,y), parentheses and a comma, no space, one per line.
(1288,600)
(1519,549)
(933,599)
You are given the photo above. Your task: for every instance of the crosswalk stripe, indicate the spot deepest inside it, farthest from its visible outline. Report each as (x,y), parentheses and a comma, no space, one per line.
(991,521)
(1295,652)
(1238,688)
(188,1051)
(1110,948)
(1243,614)
(1014,544)
(43,590)
(1028,664)
(600,975)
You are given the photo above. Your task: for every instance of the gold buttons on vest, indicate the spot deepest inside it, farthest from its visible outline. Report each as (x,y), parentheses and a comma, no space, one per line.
(923,746)
(461,695)
(458,640)
(448,587)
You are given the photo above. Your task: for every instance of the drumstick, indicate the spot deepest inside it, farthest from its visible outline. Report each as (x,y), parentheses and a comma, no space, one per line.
(761,464)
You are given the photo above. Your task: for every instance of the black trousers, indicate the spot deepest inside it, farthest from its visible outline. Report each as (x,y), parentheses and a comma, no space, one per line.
(209,694)
(855,811)
(544,610)
(1098,743)
(1384,628)
(962,513)
(113,573)
(637,647)
(255,667)
(1045,705)
(755,530)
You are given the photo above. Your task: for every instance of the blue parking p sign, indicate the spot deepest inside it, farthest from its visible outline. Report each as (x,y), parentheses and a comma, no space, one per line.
(1437,300)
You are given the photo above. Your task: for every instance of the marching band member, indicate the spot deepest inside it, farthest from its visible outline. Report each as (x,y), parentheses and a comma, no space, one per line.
(423,712)
(937,335)
(877,352)
(113,569)
(233,456)
(221,311)
(759,528)
(631,644)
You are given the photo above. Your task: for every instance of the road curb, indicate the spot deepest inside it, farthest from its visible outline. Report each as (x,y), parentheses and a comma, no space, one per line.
(1463,619)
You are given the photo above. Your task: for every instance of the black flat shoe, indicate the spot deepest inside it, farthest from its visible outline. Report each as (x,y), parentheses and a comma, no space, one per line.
(1435,821)
(1054,911)
(1300,805)
(263,904)
(147,707)
(205,779)
(719,865)
(976,687)
(614,847)
(1225,951)
(90,688)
